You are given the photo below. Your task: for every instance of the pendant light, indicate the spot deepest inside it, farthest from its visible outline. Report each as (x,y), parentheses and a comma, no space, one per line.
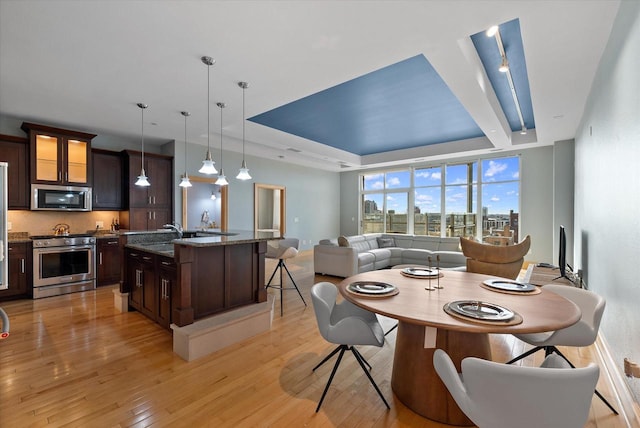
(208,163)
(185,178)
(222,180)
(243,173)
(142,178)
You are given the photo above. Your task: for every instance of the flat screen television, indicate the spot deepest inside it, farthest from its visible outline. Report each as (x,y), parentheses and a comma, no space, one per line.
(562,253)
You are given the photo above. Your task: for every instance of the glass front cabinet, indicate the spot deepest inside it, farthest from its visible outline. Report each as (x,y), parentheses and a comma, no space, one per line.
(59,156)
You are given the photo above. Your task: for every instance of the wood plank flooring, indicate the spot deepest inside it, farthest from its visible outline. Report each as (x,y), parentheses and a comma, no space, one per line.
(75,361)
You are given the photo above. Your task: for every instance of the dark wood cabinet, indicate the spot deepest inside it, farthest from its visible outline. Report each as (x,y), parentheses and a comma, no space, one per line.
(145,218)
(15,151)
(151,279)
(148,208)
(107,180)
(141,275)
(19,271)
(167,276)
(59,156)
(107,261)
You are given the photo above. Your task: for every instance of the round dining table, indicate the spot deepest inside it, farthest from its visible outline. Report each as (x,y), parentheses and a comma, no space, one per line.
(424,325)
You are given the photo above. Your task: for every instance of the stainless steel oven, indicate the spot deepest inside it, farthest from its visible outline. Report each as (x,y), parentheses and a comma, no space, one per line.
(63,265)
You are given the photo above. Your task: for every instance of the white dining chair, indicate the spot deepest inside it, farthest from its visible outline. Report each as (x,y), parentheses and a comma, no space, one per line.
(582,333)
(346,325)
(497,395)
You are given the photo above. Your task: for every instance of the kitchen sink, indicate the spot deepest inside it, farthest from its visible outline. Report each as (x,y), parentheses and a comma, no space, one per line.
(164,247)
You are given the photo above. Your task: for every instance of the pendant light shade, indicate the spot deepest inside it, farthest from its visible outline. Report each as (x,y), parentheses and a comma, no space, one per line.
(208,163)
(222,180)
(142,180)
(243,173)
(185,178)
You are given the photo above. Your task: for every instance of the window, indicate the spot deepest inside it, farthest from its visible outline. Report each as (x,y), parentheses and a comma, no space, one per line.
(460,197)
(444,199)
(500,195)
(427,201)
(384,206)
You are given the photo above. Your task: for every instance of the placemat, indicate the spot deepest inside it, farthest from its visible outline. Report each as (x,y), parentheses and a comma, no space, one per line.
(373,296)
(517,319)
(537,290)
(434,277)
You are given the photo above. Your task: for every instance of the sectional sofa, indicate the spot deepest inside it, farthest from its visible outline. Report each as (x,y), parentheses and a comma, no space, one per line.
(349,255)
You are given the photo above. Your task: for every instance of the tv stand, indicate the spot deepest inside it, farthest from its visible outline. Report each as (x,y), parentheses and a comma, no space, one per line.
(538,275)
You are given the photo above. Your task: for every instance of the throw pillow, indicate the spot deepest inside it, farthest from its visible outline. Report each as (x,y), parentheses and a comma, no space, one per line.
(386,242)
(342,241)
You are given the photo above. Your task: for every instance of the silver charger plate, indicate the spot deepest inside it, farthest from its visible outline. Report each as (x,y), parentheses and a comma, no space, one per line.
(481,310)
(371,287)
(421,272)
(507,285)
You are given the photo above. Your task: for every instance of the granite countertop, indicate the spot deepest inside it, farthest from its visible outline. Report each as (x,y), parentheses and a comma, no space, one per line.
(18,237)
(213,237)
(208,238)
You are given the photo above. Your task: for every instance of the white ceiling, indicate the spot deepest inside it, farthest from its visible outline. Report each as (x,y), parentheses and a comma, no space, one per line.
(85,64)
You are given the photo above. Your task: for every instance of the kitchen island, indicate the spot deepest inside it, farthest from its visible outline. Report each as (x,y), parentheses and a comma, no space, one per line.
(218,281)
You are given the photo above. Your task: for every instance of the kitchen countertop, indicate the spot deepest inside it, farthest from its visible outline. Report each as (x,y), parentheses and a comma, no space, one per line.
(213,237)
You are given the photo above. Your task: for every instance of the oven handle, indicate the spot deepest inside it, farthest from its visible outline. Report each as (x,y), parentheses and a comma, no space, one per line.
(63,249)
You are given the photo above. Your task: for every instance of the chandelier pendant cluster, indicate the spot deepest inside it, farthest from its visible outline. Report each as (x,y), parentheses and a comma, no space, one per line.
(208,165)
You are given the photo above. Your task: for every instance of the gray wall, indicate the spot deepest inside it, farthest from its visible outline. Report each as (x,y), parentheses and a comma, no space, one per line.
(607,192)
(313,196)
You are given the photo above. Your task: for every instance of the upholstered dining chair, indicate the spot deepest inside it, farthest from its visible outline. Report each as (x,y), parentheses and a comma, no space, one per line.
(582,333)
(346,325)
(287,248)
(496,395)
(503,261)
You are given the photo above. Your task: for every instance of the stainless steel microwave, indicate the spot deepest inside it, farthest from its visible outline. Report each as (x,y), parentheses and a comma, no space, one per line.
(60,198)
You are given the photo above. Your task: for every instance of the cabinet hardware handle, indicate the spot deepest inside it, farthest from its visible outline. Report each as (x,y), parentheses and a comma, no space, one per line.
(166,263)
(112,242)
(146,258)
(100,257)
(59,175)
(22,265)
(133,254)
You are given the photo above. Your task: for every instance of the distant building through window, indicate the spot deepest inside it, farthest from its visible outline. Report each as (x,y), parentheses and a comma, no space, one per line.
(443,199)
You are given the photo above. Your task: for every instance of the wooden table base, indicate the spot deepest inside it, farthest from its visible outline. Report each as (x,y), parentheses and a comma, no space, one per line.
(414,380)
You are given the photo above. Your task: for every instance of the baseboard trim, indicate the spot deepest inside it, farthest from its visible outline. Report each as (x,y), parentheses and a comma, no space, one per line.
(628,407)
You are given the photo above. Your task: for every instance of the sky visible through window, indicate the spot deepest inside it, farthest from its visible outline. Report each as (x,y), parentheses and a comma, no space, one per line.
(500,186)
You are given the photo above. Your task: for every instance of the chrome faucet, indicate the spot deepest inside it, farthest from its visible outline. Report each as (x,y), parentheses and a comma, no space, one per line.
(174,226)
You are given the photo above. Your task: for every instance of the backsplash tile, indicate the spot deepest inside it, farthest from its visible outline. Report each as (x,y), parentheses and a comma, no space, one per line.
(42,222)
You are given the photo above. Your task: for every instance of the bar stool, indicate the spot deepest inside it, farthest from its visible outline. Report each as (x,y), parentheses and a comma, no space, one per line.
(287,248)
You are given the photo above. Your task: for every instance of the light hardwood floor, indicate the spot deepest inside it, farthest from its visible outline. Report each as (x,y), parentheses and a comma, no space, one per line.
(76,361)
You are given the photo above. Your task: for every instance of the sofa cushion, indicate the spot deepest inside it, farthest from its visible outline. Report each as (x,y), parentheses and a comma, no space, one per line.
(430,243)
(417,256)
(449,244)
(343,241)
(360,243)
(330,242)
(386,242)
